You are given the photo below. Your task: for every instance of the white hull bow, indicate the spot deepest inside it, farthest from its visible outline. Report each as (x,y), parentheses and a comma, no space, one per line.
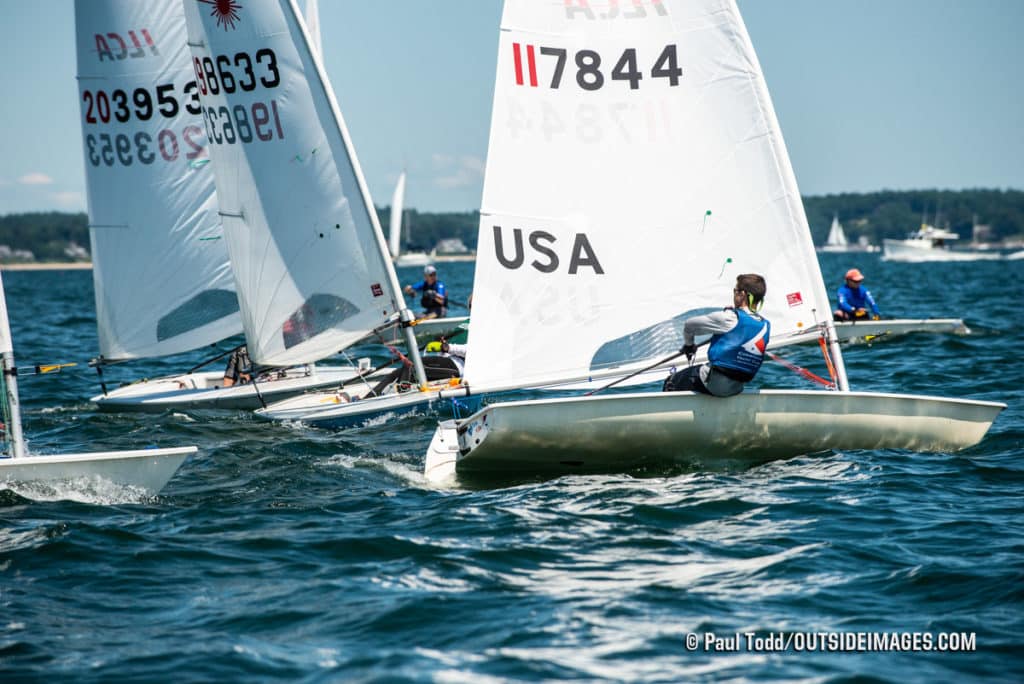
(147,469)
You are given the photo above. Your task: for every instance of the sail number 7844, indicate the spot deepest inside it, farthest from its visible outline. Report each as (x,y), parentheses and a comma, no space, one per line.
(588,67)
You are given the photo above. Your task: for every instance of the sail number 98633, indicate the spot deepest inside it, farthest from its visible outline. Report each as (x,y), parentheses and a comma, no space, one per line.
(240,72)
(591,72)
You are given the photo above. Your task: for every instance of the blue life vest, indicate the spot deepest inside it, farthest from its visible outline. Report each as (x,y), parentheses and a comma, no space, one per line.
(738,353)
(427,300)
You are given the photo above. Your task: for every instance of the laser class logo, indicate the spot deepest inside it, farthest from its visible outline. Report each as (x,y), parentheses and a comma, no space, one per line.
(226,12)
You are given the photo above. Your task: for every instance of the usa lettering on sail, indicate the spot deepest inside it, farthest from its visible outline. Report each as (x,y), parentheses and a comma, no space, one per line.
(581,255)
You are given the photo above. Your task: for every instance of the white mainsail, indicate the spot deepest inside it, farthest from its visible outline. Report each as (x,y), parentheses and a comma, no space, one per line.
(397,207)
(635,168)
(160,266)
(309,258)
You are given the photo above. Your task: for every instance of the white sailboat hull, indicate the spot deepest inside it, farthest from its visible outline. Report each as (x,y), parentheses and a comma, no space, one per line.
(858,331)
(327,410)
(147,469)
(204,390)
(412,259)
(630,431)
(425,329)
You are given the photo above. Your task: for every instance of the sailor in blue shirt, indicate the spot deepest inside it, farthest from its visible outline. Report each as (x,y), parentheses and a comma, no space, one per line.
(855,302)
(434,297)
(738,343)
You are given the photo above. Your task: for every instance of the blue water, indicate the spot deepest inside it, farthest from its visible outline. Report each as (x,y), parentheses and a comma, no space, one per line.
(284,553)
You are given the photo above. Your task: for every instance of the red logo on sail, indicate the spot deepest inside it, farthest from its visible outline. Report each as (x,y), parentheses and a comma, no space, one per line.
(226,12)
(794,299)
(531,62)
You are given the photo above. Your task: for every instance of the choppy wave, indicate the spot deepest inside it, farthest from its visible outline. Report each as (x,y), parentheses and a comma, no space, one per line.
(289,553)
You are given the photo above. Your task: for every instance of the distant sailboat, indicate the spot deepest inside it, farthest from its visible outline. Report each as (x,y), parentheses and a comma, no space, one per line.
(414,258)
(838,242)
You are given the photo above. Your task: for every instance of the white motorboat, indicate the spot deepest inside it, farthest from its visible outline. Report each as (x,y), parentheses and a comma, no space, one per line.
(929,243)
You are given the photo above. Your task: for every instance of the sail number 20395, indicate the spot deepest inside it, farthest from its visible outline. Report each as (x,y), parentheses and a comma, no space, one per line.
(588,67)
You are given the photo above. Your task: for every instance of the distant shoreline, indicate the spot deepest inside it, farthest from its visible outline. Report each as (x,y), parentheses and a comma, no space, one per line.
(48,266)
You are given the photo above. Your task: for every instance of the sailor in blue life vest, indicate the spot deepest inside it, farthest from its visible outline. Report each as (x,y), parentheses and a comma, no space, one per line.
(434,298)
(855,301)
(739,337)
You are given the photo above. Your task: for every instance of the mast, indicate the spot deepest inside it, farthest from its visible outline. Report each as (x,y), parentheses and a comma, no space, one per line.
(313,24)
(12,406)
(406,315)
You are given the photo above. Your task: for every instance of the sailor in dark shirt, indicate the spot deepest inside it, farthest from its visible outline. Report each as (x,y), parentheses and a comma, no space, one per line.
(239,369)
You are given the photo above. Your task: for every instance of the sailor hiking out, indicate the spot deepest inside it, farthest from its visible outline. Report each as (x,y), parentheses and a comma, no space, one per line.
(739,339)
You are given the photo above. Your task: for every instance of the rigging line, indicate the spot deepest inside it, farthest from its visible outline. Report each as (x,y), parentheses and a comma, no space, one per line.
(360,375)
(801,371)
(636,373)
(828,360)
(215,358)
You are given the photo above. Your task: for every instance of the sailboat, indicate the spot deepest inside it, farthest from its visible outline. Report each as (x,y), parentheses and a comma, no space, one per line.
(836,240)
(161,270)
(635,168)
(147,469)
(313,270)
(414,258)
(310,261)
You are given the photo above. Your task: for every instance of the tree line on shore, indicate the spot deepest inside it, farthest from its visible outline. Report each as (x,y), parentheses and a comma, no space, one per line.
(53,236)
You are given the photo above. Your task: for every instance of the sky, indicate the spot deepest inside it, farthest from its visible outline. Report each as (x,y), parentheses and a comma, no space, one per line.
(870,94)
